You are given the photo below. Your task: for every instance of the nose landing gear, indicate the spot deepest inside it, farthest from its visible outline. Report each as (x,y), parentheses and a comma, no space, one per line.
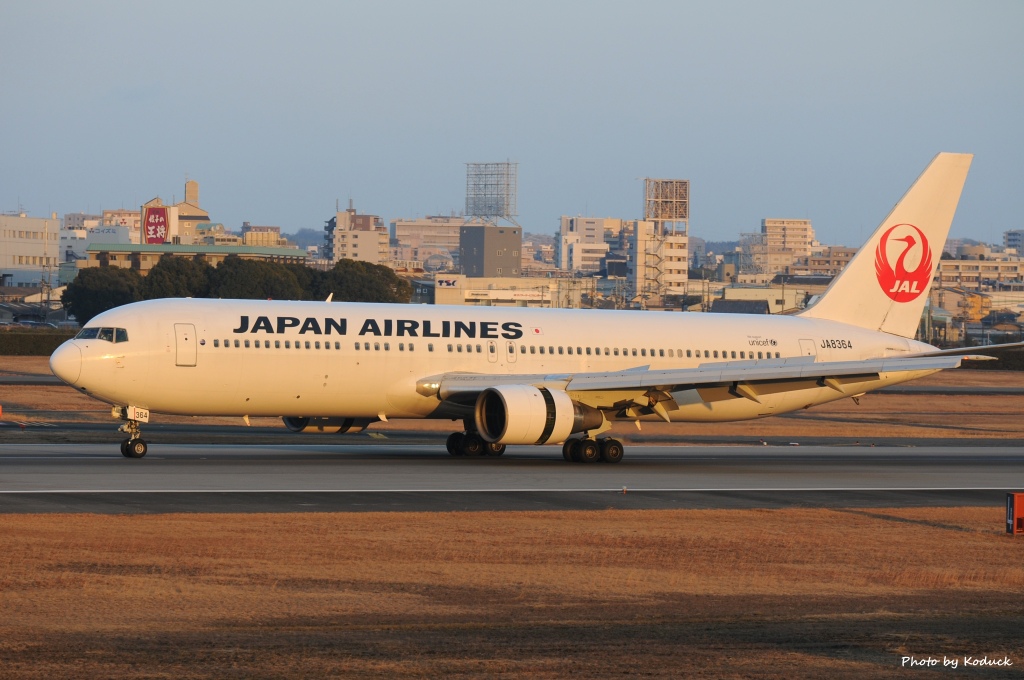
(135,446)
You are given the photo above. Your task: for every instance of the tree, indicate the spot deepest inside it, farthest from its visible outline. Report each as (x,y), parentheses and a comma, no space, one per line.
(353,281)
(97,289)
(177,277)
(253,280)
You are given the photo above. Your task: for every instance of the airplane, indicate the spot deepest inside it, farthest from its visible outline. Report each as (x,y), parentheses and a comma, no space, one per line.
(520,375)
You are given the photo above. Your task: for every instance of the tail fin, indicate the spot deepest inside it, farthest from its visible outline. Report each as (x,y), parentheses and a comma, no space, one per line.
(885,285)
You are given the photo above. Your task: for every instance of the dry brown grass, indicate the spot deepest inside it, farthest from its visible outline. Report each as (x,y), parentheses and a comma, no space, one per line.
(721,593)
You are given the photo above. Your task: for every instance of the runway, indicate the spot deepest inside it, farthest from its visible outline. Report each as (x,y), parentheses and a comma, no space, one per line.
(364,477)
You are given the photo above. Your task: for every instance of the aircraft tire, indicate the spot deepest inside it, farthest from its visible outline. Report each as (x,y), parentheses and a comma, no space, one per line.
(611,450)
(472,444)
(454,443)
(589,451)
(567,450)
(136,448)
(494,449)
(124,447)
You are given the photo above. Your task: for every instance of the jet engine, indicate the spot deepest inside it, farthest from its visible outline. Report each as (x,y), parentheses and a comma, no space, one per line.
(523,414)
(325,425)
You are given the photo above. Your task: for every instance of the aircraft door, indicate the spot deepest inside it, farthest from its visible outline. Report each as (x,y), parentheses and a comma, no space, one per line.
(510,351)
(492,351)
(807,348)
(185,341)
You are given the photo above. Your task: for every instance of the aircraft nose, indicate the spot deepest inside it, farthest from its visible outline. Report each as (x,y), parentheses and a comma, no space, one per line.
(66,363)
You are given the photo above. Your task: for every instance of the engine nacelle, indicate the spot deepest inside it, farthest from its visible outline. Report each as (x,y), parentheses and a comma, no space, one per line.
(325,425)
(524,414)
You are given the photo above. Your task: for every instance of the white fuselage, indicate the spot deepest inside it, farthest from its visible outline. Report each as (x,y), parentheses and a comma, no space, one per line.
(279,358)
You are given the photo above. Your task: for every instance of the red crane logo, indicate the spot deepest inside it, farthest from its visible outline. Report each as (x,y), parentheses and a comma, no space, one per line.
(899,283)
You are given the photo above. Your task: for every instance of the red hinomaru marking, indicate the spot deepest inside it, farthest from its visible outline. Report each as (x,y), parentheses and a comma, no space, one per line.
(896,282)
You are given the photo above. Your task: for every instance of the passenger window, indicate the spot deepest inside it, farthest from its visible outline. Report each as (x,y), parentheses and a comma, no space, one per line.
(588,351)
(688,355)
(430,347)
(643,352)
(533,349)
(317,344)
(670,355)
(236,344)
(542,349)
(661,352)
(449,347)
(366,346)
(707,354)
(387,346)
(458,347)
(560,349)
(743,355)
(551,350)
(490,348)
(401,347)
(277,344)
(716,353)
(568,349)
(357,346)
(307,344)
(266,344)
(246,344)
(479,349)
(634,351)
(732,355)
(216,343)
(337,345)
(606,351)
(376,347)
(410,347)
(616,351)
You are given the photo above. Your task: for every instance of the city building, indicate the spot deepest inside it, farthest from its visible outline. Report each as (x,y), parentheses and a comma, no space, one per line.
(459,289)
(351,236)
(490,251)
(267,237)
(828,262)
(426,237)
(29,250)
(779,244)
(142,257)
(658,262)
(583,241)
(1014,238)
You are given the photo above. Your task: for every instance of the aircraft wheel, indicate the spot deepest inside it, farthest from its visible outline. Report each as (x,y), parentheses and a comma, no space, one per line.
(567,449)
(472,444)
(611,450)
(124,447)
(454,443)
(494,449)
(589,452)
(135,448)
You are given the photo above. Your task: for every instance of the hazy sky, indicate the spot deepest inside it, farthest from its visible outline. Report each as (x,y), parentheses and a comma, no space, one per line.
(817,110)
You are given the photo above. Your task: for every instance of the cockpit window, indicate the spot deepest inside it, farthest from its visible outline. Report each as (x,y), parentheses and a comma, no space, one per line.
(108,334)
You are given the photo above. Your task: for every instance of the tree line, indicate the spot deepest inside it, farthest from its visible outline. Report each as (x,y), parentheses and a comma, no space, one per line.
(97,289)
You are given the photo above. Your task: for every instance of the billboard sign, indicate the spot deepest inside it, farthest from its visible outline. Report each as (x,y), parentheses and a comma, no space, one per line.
(154,225)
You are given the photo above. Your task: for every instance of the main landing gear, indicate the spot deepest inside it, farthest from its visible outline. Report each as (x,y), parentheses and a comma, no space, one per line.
(135,446)
(588,450)
(472,444)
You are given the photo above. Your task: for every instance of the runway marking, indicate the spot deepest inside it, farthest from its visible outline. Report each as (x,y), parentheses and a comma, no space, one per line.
(617,490)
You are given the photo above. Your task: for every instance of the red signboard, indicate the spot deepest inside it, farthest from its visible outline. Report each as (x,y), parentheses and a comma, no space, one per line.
(154,225)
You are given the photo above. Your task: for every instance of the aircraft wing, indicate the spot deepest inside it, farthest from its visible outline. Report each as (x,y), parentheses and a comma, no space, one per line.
(713,381)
